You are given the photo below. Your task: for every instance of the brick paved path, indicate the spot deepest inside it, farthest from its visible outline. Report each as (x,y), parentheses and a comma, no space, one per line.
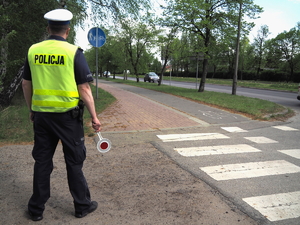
(132,112)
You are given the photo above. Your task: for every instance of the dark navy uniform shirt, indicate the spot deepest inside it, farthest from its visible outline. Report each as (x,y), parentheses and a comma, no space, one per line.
(81,68)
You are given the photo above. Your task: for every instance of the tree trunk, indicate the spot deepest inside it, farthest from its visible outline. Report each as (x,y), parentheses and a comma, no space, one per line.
(3,57)
(237,51)
(8,90)
(203,78)
(162,70)
(136,74)
(291,64)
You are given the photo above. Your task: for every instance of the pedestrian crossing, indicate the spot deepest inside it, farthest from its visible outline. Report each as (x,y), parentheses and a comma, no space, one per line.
(274,207)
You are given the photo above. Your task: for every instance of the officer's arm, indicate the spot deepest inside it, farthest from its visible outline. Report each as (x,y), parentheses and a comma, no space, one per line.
(87,97)
(27,90)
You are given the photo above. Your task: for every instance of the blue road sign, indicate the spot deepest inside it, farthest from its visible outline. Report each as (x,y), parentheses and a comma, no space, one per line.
(96,37)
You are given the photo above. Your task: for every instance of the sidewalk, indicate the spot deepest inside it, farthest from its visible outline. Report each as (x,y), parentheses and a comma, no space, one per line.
(139,109)
(134,183)
(132,112)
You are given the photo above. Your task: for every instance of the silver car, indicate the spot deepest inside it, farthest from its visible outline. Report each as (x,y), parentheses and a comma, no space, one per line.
(151,77)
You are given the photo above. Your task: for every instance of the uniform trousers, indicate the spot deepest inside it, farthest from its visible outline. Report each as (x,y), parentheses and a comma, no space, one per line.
(49,128)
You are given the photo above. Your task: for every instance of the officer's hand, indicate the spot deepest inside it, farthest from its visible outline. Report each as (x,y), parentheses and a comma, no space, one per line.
(31,116)
(96,125)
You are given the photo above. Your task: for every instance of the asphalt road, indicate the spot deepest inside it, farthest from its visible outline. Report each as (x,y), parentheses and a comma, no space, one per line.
(288,99)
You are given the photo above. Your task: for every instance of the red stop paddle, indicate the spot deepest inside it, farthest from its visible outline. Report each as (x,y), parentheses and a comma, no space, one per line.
(103,144)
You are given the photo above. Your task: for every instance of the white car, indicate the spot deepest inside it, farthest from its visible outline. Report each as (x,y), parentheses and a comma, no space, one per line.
(106,73)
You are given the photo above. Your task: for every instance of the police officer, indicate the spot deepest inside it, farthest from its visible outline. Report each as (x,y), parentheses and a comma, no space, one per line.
(55,85)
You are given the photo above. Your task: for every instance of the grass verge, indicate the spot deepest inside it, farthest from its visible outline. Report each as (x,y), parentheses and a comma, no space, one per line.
(281,86)
(251,107)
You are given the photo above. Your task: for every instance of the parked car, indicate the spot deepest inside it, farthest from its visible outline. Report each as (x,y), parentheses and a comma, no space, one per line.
(106,73)
(151,77)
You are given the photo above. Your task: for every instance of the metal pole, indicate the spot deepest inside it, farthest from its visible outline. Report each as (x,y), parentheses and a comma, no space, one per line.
(96,72)
(96,63)
(197,73)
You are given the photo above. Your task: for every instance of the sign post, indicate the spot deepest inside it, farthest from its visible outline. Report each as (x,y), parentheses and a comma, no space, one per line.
(97,38)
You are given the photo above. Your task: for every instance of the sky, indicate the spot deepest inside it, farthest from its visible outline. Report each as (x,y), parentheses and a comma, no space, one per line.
(278,15)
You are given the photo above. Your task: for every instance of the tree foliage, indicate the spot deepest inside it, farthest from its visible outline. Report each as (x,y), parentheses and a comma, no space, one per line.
(260,46)
(22,24)
(287,46)
(19,29)
(208,19)
(116,10)
(138,39)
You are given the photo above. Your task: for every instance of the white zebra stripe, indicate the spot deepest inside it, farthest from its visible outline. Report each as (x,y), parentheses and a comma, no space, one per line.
(261,140)
(234,129)
(191,137)
(248,170)
(285,128)
(278,206)
(291,152)
(216,150)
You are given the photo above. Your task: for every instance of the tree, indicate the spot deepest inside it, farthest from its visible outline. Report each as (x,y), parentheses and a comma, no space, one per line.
(167,48)
(246,56)
(260,46)
(273,56)
(19,29)
(117,9)
(287,44)
(138,38)
(237,49)
(206,18)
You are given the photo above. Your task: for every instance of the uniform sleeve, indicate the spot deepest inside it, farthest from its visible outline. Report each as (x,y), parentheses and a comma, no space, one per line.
(82,70)
(26,71)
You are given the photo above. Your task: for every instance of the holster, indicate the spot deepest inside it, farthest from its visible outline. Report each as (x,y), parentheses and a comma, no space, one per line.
(77,112)
(81,110)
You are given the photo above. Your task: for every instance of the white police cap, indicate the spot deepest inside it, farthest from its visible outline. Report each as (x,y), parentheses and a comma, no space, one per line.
(59,16)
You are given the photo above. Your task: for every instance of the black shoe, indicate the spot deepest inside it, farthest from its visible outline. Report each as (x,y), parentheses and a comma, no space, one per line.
(92,208)
(35,218)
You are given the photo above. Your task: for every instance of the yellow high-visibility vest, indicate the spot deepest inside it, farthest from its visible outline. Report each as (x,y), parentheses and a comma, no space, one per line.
(52,69)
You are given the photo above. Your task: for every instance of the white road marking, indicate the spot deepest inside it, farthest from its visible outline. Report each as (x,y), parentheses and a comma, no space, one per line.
(261,140)
(248,170)
(216,150)
(285,128)
(233,129)
(191,137)
(292,152)
(278,206)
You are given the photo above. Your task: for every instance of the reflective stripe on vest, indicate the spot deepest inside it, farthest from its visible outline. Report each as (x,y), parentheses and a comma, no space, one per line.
(52,69)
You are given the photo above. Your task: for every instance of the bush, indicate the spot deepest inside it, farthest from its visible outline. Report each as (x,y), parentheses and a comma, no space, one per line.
(265,75)
(273,75)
